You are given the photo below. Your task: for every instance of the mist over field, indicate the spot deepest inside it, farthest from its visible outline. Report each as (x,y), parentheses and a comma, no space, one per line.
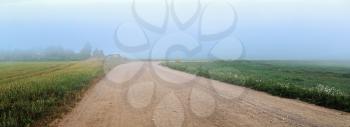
(269,29)
(174,63)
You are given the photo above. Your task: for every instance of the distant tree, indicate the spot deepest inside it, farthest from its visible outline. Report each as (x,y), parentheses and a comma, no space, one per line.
(98,53)
(54,53)
(49,53)
(2,55)
(95,53)
(85,52)
(102,53)
(69,54)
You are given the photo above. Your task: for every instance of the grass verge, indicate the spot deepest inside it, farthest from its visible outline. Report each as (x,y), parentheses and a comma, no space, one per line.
(327,86)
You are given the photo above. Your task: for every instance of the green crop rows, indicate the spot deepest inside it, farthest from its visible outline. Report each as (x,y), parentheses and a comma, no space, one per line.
(30,91)
(318,83)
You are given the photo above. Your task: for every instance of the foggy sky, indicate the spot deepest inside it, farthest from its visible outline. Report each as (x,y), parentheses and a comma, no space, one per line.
(269,29)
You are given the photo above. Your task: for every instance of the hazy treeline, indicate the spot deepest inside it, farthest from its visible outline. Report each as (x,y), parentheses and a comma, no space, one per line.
(51,53)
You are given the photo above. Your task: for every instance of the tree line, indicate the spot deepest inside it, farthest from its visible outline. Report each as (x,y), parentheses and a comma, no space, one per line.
(51,53)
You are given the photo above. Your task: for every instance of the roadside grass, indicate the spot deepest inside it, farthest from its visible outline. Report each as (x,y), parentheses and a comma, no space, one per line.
(320,84)
(31,91)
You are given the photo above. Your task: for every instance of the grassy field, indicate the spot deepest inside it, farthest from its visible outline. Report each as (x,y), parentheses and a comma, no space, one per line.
(31,91)
(322,83)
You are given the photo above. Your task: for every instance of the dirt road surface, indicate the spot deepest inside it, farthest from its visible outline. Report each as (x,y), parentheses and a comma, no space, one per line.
(145,94)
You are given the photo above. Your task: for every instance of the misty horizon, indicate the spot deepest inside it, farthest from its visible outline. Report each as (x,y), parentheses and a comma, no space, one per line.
(268,29)
(174,63)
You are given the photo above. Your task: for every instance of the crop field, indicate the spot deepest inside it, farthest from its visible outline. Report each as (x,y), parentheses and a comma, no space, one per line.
(30,91)
(322,83)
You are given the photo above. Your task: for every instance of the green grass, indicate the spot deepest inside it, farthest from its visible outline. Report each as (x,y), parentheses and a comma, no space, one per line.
(322,83)
(31,91)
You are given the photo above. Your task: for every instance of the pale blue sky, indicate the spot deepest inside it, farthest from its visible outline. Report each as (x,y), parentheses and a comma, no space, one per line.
(269,29)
